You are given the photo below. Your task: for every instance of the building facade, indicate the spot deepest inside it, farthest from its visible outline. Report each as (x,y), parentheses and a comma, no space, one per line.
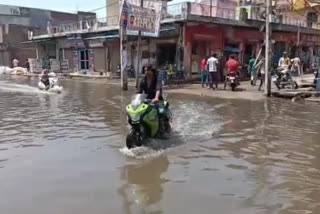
(189,32)
(16,23)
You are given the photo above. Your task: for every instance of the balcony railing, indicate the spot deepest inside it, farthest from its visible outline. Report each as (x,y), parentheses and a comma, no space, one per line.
(216,11)
(178,11)
(92,25)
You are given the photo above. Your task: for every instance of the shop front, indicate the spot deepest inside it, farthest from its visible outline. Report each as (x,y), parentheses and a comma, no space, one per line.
(200,42)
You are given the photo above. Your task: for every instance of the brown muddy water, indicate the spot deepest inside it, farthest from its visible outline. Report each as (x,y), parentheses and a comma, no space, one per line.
(63,154)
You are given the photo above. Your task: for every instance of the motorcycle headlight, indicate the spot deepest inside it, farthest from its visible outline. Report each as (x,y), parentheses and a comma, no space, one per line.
(161,110)
(134,117)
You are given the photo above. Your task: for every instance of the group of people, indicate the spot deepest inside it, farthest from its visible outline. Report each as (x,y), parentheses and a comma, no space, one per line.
(209,70)
(256,67)
(45,62)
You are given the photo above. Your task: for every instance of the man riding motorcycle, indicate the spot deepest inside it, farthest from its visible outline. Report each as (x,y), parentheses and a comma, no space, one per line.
(45,78)
(150,84)
(232,69)
(284,61)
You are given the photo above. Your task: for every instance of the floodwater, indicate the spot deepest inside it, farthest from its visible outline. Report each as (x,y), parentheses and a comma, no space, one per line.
(63,154)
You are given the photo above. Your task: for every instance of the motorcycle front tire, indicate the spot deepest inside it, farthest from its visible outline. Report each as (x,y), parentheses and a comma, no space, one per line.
(133,140)
(233,86)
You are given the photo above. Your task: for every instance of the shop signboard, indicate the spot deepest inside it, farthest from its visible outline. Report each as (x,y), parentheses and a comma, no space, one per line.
(96,43)
(75,40)
(145,19)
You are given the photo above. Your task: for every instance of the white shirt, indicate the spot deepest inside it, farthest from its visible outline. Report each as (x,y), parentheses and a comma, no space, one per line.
(284,62)
(15,63)
(212,63)
(296,61)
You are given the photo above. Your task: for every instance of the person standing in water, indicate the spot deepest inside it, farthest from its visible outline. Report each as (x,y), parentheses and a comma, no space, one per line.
(252,70)
(260,67)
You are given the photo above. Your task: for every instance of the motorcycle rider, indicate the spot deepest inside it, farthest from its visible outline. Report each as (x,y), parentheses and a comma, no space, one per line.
(151,85)
(260,67)
(232,66)
(45,78)
(284,61)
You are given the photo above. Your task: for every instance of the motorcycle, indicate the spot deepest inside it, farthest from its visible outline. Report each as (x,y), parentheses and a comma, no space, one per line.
(232,80)
(283,78)
(130,71)
(147,120)
(53,84)
(316,74)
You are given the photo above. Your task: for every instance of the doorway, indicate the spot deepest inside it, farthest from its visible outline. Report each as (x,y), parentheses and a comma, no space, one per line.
(84,59)
(166,54)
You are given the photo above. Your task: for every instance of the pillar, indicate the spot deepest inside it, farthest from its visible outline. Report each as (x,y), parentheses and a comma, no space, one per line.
(187,60)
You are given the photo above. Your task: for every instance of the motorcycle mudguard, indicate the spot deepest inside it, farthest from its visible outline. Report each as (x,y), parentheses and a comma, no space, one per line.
(152,120)
(41,86)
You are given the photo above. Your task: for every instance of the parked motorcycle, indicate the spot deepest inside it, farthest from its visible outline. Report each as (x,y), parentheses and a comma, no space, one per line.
(130,71)
(233,80)
(53,84)
(316,74)
(147,120)
(283,78)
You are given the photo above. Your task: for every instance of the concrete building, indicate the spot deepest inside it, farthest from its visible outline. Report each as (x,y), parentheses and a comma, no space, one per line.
(113,9)
(189,32)
(16,22)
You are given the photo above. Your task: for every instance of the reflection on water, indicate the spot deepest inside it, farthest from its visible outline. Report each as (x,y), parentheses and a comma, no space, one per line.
(143,183)
(65,154)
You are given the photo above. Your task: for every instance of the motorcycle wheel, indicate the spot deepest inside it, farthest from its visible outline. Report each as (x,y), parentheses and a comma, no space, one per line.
(294,85)
(277,85)
(133,140)
(167,126)
(233,87)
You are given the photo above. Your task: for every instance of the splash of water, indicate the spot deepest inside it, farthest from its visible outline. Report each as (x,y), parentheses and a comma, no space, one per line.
(141,152)
(18,88)
(191,123)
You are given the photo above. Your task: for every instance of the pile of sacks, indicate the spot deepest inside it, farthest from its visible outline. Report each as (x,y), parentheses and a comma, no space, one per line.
(13,71)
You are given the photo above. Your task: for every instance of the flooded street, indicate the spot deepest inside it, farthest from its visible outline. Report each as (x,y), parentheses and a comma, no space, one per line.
(65,154)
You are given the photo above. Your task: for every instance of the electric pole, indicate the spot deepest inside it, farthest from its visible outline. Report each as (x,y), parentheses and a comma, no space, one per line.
(123,49)
(138,53)
(267,90)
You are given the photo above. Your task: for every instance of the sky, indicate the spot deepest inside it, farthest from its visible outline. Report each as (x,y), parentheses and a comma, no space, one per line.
(61,5)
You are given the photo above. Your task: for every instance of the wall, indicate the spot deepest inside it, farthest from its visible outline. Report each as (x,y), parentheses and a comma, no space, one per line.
(39,17)
(112,8)
(4,58)
(15,20)
(68,54)
(13,36)
(210,38)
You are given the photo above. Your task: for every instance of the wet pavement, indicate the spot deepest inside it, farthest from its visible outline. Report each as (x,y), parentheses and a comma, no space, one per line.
(65,154)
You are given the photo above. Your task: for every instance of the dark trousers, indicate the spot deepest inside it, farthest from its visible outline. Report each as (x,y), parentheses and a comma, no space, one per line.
(213,79)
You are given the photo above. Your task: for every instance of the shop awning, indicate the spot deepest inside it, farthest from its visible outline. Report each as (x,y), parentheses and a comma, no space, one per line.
(35,41)
(232,49)
(103,37)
